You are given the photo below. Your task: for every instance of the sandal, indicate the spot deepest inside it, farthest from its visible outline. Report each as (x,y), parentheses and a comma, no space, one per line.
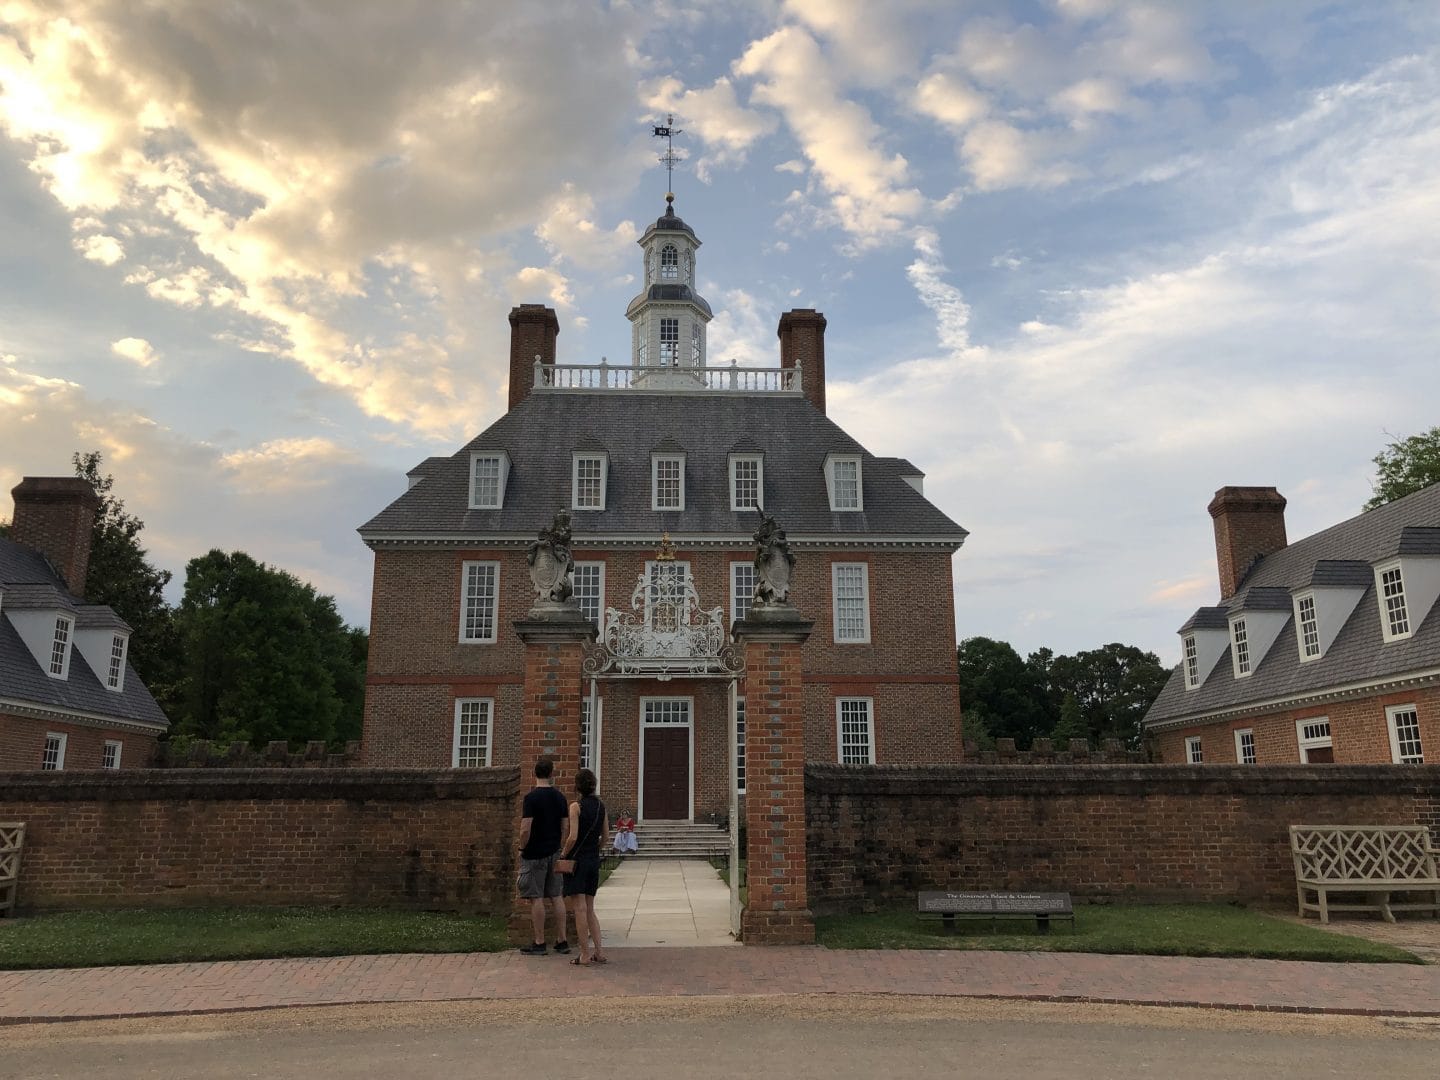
(599,959)
(579,961)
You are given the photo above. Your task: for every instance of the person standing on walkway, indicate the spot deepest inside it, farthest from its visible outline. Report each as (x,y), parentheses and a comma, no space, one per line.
(541,820)
(587,827)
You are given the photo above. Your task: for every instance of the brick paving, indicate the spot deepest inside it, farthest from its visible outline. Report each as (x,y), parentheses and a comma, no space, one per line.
(176,989)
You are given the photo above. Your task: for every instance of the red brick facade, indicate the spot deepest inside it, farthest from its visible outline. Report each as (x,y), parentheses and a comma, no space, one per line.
(22,744)
(877,836)
(1359,731)
(417,668)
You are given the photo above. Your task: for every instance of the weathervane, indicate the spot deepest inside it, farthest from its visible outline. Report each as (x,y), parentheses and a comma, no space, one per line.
(669,158)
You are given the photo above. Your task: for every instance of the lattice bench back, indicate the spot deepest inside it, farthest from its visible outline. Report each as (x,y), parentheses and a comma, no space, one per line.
(1362,853)
(12,839)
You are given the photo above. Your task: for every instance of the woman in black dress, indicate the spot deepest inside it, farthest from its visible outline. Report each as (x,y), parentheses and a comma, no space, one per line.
(587,828)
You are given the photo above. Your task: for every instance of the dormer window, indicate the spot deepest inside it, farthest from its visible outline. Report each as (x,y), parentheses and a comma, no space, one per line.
(60,647)
(669,263)
(842,479)
(667,482)
(1192,662)
(488,473)
(1308,626)
(1395,617)
(746,481)
(115,675)
(588,481)
(1240,648)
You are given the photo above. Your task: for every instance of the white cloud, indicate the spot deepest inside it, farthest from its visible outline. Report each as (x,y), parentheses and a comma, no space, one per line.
(137,350)
(715,115)
(570,233)
(105,250)
(950,100)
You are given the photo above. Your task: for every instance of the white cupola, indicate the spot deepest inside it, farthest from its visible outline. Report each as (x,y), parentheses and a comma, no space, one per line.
(668,317)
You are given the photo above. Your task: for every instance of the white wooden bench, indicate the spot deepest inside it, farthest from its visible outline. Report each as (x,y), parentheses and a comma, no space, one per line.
(1376,859)
(12,839)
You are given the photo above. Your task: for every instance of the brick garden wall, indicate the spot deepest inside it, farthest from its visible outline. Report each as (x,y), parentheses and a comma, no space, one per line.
(425,839)
(879,834)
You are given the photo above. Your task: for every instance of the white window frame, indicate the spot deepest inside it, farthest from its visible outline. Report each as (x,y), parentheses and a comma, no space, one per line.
(831,460)
(1194,750)
(670,357)
(1307,743)
(1392,722)
(758,460)
(1302,634)
(869,703)
(1387,623)
(115,676)
(502,461)
(1240,649)
(487,709)
(58,758)
(62,644)
(1240,734)
(1190,650)
(600,584)
(107,761)
(590,734)
(740,598)
(671,275)
(740,746)
(689,725)
(655,460)
(835,568)
(465,568)
(575,461)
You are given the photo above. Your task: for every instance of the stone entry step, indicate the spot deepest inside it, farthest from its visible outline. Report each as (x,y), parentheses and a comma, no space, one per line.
(680,840)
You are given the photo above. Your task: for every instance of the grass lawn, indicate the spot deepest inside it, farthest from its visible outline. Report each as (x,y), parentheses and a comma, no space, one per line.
(103,938)
(1157,929)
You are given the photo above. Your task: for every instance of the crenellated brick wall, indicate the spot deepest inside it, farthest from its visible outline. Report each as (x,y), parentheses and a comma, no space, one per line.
(426,839)
(879,834)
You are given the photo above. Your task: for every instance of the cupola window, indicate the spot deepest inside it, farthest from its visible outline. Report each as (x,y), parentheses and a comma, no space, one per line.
(669,262)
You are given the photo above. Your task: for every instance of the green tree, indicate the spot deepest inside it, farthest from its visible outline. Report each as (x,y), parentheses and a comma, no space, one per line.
(1113,687)
(1000,693)
(1071,724)
(264,656)
(122,577)
(1406,466)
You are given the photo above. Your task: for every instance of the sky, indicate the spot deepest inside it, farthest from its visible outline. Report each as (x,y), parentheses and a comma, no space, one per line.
(1083,262)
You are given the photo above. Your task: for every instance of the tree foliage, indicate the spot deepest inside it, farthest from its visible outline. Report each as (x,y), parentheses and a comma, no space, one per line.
(1406,466)
(264,656)
(1095,694)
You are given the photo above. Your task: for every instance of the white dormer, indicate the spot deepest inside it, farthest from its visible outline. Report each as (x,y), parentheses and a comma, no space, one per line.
(1203,640)
(589,478)
(667,480)
(1324,606)
(103,639)
(1407,585)
(489,471)
(44,617)
(844,482)
(747,481)
(1256,619)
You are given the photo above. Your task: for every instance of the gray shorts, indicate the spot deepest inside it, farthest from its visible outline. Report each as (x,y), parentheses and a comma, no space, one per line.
(538,878)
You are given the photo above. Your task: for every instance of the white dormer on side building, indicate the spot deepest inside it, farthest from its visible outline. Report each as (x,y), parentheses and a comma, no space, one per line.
(1257,616)
(1323,605)
(844,481)
(489,472)
(44,617)
(1203,640)
(103,639)
(1407,584)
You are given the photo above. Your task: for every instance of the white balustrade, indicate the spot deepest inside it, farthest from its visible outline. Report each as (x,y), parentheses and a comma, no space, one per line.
(606,376)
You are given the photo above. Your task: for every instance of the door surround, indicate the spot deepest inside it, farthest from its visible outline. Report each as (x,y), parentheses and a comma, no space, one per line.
(689,726)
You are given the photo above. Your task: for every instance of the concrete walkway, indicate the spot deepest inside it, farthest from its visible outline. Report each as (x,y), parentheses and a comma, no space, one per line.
(653,902)
(233,986)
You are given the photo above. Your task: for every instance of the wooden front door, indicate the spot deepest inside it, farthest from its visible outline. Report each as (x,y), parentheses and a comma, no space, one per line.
(667,773)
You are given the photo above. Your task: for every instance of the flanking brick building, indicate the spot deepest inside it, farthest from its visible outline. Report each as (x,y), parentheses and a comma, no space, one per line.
(69,698)
(1325,650)
(662,464)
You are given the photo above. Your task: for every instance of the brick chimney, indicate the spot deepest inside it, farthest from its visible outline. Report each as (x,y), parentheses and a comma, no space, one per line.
(802,345)
(533,329)
(1249,523)
(55,515)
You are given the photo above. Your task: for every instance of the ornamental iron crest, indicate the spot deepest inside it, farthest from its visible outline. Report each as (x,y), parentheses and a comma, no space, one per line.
(665,633)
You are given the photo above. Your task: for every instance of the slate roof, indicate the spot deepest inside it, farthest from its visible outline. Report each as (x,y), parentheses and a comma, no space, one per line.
(541,433)
(1340,555)
(27,579)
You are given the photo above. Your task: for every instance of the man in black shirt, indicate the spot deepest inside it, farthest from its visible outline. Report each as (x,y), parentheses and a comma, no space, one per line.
(542,817)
